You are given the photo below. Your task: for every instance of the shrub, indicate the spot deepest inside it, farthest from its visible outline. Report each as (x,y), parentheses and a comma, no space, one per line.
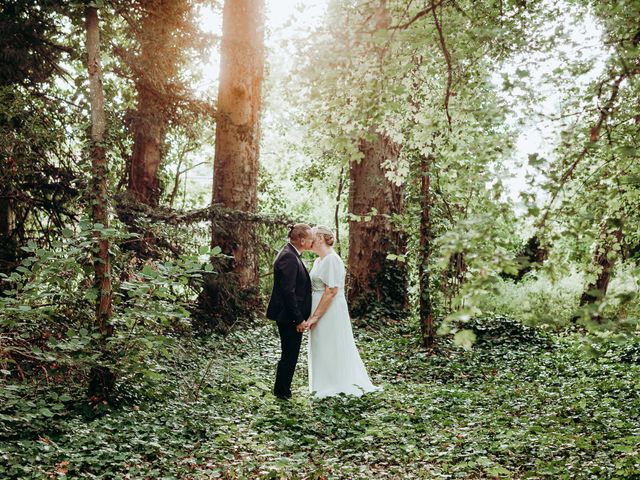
(49,339)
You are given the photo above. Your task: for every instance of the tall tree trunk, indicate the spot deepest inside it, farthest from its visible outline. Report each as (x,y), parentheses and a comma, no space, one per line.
(150,120)
(376,283)
(232,292)
(238,129)
(604,260)
(427,330)
(102,379)
(424,254)
(149,128)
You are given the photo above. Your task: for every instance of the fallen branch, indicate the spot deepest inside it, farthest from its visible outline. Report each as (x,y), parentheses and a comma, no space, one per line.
(126,206)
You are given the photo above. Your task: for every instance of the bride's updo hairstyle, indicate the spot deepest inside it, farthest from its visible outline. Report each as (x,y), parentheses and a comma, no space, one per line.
(326,234)
(298,231)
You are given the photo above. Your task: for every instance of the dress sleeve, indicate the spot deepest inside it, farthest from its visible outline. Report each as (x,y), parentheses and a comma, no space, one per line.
(332,272)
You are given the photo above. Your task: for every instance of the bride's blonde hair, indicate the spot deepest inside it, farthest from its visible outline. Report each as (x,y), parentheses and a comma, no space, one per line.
(325,233)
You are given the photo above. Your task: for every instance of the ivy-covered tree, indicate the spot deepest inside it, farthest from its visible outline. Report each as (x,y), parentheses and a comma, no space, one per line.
(409,73)
(102,378)
(376,282)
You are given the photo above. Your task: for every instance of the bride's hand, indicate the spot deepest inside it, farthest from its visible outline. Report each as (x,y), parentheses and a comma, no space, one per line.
(311,323)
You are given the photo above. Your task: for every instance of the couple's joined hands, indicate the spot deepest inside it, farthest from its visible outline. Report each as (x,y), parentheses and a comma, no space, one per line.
(308,324)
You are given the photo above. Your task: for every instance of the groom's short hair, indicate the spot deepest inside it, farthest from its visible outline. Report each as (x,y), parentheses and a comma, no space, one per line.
(298,231)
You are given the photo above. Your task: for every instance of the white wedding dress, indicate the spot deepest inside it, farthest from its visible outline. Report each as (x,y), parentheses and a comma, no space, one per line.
(334,363)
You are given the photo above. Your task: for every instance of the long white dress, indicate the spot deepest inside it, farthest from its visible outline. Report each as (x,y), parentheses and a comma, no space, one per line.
(334,363)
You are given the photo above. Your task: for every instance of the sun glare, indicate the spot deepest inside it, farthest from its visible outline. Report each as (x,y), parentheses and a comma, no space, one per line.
(285,20)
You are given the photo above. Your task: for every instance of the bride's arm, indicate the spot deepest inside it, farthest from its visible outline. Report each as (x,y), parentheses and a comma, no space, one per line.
(325,301)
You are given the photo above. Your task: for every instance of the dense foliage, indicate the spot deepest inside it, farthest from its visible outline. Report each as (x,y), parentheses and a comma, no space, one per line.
(524,259)
(521,404)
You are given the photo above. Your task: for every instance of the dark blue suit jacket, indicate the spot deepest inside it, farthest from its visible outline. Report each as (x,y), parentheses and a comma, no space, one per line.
(290,301)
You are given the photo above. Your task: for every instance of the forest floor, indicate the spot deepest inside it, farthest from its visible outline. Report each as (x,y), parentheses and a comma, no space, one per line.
(518,405)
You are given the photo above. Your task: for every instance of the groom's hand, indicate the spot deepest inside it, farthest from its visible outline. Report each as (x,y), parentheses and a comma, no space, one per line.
(301,327)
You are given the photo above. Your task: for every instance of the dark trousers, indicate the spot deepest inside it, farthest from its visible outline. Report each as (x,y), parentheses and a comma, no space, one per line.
(290,341)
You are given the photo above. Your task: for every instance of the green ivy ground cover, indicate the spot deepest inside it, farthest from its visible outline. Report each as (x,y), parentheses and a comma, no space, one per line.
(513,407)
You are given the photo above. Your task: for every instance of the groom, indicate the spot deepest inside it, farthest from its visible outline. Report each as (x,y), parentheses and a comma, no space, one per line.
(290,303)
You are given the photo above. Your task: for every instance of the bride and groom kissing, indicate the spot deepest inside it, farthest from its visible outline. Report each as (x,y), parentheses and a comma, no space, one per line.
(315,302)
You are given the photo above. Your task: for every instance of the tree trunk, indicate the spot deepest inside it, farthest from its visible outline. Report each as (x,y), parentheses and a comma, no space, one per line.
(149,127)
(150,120)
(452,278)
(8,248)
(531,256)
(604,260)
(336,214)
(232,292)
(424,254)
(238,129)
(102,379)
(376,283)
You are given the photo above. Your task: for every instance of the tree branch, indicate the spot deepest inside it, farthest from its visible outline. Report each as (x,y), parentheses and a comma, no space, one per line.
(418,16)
(605,112)
(447,57)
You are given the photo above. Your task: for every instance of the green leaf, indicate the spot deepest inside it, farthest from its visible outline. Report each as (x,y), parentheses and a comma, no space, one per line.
(498,471)
(46,412)
(465,339)
(535,160)
(149,271)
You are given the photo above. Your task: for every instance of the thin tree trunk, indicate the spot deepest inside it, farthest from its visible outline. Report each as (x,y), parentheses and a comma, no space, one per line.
(102,379)
(426,310)
(453,277)
(375,282)
(238,129)
(176,182)
(337,211)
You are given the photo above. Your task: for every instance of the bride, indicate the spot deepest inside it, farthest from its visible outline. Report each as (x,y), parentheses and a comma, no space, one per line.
(335,365)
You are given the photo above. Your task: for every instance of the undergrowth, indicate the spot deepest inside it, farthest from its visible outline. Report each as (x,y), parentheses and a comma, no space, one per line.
(519,404)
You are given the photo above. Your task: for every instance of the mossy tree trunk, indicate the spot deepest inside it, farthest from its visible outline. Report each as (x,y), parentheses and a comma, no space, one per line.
(156,67)
(149,127)
(8,245)
(238,127)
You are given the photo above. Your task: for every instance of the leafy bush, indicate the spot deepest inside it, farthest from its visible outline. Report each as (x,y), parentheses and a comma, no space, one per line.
(49,337)
(500,329)
(543,299)
(538,300)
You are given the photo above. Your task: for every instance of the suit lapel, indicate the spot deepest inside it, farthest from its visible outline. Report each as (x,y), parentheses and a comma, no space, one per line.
(293,250)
